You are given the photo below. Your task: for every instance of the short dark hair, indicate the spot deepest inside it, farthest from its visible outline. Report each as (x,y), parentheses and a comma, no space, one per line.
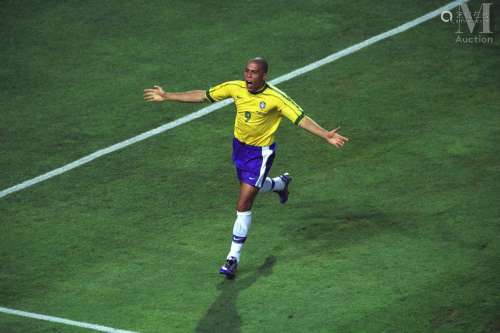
(262,63)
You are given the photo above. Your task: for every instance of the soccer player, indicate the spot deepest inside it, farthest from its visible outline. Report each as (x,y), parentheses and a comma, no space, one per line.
(259,110)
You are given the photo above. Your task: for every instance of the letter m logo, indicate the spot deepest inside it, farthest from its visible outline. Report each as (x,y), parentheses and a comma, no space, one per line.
(472,18)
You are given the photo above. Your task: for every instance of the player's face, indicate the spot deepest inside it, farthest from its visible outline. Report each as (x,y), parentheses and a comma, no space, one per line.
(254,76)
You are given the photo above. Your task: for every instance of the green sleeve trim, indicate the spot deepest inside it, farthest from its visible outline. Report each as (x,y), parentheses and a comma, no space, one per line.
(207,93)
(297,122)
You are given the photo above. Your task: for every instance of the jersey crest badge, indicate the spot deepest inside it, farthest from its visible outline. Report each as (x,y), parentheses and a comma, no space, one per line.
(262,105)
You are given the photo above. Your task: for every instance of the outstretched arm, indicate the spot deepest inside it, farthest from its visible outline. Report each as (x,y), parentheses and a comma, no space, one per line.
(157,94)
(332,137)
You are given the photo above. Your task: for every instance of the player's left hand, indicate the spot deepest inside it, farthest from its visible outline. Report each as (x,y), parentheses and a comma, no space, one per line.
(335,138)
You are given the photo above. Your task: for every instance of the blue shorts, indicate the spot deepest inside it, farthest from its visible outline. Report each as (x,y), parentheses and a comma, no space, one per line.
(252,162)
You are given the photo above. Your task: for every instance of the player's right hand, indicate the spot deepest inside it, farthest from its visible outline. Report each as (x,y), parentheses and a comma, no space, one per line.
(156,94)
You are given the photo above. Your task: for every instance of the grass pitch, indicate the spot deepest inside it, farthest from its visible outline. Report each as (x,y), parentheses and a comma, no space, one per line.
(398,232)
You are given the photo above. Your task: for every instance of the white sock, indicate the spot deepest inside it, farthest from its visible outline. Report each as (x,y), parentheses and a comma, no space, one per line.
(240,231)
(272,184)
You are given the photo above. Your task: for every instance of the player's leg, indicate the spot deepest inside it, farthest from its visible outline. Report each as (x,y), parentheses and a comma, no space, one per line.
(246,197)
(249,168)
(248,191)
(240,228)
(252,166)
(278,185)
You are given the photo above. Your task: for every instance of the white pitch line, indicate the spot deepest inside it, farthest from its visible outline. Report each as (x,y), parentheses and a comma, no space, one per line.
(216,106)
(94,327)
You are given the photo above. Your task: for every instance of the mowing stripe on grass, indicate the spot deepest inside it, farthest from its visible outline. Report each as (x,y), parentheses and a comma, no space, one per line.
(94,327)
(209,109)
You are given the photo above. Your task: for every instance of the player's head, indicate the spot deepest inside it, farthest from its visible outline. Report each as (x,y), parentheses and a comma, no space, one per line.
(256,74)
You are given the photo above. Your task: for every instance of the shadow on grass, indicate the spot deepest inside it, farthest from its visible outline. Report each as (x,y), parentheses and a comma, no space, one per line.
(222,316)
(324,229)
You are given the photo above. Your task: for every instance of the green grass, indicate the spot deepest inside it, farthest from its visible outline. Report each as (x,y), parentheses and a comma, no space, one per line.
(398,232)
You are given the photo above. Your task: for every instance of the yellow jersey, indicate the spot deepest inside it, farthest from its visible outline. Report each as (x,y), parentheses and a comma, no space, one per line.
(258,115)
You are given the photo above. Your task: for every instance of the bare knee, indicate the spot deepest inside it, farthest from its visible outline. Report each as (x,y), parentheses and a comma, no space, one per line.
(246,198)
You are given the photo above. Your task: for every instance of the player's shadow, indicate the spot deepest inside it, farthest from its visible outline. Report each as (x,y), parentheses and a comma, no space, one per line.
(222,316)
(325,230)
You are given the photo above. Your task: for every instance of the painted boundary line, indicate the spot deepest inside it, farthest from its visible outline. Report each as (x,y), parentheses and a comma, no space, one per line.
(209,109)
(63,321)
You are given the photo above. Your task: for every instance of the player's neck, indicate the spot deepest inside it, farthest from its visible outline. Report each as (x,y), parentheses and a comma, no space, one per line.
(259,89)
